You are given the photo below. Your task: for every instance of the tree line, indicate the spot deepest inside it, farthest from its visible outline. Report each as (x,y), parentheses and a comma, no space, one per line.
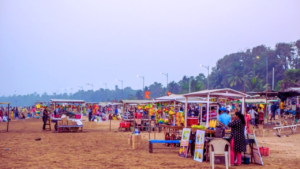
(249,70)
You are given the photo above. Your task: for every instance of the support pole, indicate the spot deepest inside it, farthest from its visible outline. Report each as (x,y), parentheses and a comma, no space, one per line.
(243,105)
(174,118)
(207,112)
(273,80)
(201,112)
(185,111)
(109,124)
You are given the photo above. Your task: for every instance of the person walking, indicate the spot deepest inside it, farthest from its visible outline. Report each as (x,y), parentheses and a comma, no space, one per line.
(238,141)
(45,118)
(252,113)
(16,113)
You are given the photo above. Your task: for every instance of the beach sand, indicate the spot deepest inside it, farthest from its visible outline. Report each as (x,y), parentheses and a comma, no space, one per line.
(97,147)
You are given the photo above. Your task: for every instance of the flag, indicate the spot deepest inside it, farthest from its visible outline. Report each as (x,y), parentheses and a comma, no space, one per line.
(147,94)
(168,93)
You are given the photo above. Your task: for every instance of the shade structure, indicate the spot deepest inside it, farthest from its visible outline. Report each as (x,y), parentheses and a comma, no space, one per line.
(66,101)
(217,93)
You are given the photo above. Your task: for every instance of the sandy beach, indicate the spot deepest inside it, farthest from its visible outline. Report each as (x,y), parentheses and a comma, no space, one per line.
(97,147)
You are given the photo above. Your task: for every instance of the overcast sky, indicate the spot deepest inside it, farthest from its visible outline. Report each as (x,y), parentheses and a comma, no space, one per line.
(53,44)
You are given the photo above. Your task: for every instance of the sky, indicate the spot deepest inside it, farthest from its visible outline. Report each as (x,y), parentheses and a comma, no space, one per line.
(48,46)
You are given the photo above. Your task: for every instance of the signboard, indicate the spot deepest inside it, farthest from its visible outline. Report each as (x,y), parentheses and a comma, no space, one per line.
(199,145)
(184,143)
(256,152)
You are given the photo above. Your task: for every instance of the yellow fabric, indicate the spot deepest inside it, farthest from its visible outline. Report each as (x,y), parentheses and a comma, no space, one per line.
(281,105)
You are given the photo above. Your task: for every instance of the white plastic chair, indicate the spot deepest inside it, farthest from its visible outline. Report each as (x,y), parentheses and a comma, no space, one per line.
(219,145)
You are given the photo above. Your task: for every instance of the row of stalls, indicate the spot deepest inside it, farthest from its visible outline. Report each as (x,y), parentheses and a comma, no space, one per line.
(171,112)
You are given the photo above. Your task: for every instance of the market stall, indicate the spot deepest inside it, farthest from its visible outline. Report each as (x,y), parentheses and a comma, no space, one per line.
(71,109)
(129,117)
(216,93)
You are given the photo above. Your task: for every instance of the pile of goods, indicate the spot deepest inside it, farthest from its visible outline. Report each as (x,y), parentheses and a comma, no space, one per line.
(198,127)
(180,118)
(212,124)
(160,121)
(166,121)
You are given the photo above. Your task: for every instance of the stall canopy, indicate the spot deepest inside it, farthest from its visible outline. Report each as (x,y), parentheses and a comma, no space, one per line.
(293,89)
(263,101)
(66,101)
(136,101)
(217,93)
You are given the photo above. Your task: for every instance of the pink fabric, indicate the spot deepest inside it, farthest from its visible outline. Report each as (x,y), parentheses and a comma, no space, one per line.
(232,153)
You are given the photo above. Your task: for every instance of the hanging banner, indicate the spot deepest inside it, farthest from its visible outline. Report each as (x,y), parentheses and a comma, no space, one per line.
(199,145)
(184,143)
(256,152)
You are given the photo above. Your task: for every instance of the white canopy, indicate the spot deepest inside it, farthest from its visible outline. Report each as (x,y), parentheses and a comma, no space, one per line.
(217,93)
(66,101)
(4,103)
(293,89)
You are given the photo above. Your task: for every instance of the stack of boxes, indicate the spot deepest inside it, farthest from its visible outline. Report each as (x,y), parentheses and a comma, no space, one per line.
(135,141)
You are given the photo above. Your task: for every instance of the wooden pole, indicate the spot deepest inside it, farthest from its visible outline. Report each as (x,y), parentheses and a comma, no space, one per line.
(7,117)
(109,124)
(185,111)
(243,106)
(149,127)
(207,112)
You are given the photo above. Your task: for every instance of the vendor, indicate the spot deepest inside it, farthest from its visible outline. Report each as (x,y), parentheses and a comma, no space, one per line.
(212,115)
(139,114)
(238,141)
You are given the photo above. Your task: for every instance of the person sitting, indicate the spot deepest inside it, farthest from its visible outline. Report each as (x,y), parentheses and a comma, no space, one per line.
(22,116)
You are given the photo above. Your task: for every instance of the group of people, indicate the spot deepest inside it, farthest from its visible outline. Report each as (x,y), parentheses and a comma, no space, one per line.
(16,113)
(97,114)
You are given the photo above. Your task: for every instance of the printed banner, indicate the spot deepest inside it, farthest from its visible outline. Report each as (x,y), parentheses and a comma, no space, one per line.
(256,152)
(199,145)
(184,143)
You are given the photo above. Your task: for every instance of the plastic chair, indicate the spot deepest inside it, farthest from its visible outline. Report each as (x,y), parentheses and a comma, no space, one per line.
(252,129)
(219,150)
(261,130)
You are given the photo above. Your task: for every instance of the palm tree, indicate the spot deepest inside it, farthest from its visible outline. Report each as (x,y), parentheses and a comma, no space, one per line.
(255,85)
(235,78)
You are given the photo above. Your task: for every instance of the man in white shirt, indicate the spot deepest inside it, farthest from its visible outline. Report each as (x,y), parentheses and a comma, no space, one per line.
(252,113)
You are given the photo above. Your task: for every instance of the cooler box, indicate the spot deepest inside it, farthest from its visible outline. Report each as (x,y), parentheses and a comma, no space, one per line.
(124,124)
(77,116)
(192,120)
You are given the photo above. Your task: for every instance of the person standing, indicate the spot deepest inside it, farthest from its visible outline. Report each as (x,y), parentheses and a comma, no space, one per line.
(33,112)
(224,118)
(116,110)
(90,114)
(273,109)
(45,118)
(238,140)
(16,113)
(252,113)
